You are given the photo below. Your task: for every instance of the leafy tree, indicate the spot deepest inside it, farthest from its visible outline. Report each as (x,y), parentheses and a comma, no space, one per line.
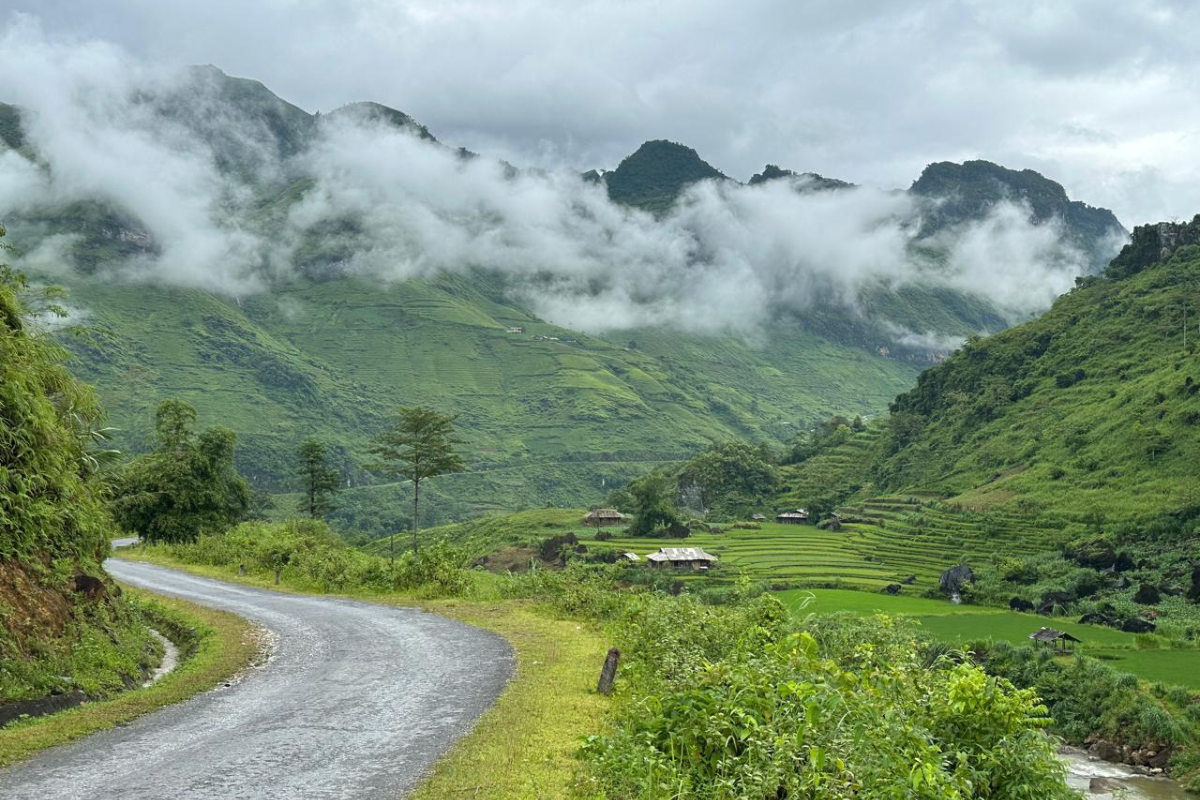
(189,484)
(319,481)
(731,477)
(651,499)
(419,445)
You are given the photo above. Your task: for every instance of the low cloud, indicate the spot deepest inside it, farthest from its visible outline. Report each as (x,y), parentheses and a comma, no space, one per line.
(385,205)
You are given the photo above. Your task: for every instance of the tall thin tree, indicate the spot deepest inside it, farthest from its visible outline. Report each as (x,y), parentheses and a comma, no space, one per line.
(418,446)
(319,481)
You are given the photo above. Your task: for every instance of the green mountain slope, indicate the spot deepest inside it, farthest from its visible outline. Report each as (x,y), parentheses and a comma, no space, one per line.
(332,358)
(653,177)
(1094,408)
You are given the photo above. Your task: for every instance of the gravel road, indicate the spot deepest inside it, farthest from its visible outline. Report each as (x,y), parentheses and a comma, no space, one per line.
(358,701)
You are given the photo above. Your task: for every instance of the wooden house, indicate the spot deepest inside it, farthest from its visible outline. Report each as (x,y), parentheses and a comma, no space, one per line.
(682,558)
(797,517)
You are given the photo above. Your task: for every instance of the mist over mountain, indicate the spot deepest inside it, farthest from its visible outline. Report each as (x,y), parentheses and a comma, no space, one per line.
(197,179)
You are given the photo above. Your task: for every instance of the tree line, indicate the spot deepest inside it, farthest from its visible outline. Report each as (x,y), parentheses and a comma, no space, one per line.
(188,484)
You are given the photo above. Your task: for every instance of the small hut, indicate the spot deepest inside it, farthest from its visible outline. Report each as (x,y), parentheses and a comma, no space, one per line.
(797,517)
(682,558)
(1059,640)
(757,518)
(601,517)
(630,557)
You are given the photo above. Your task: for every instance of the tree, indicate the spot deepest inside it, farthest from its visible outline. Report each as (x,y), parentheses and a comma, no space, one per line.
(653,505)
(188,485)
(419,445)
(319,481)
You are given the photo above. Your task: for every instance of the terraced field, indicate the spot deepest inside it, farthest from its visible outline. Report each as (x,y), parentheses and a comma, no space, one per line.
(883,540)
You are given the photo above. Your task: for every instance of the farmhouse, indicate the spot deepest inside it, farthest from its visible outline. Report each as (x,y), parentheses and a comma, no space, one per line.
(682,557)
(757,518)
(630,556)
(797,517)
(599,517)
(1061,640)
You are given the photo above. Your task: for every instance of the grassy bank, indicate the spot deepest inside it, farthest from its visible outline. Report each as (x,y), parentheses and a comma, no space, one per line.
(525,746)
(220,644)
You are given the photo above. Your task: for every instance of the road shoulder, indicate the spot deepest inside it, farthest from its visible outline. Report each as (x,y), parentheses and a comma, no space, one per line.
(221,646)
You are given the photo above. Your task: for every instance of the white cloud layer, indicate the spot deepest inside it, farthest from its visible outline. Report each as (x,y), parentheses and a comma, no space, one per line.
(722,259)
(1100,94)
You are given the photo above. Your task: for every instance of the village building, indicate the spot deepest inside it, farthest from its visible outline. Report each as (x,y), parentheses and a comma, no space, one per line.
(630,556)
(1060,640)
(797,517)
(682,558)
(757,518)
(600,517)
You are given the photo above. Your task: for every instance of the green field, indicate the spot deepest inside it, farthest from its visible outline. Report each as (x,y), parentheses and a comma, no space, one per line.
(894,538)
(957,624)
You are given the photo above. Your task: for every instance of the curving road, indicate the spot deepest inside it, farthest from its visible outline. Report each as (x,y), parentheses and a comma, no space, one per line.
(357,701)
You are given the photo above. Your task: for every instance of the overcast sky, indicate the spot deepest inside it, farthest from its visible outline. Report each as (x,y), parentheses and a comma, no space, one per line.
(1101,96)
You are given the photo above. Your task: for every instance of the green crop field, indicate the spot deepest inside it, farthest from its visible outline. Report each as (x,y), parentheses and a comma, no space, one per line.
(957,624)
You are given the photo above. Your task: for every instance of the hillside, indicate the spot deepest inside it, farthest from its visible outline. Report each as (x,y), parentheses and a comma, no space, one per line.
(64,631)
(1091,409)
(339,308)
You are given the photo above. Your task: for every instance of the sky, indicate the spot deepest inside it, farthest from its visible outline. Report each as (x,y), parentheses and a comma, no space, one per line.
(1102,96)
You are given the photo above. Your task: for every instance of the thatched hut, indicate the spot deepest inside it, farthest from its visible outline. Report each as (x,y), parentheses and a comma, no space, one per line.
(603,517)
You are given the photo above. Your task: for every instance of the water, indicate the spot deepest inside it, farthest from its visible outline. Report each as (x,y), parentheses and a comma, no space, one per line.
(1124,782)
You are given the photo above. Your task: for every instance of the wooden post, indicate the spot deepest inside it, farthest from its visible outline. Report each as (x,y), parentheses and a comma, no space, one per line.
(277,571)
(608,672)
(242,570)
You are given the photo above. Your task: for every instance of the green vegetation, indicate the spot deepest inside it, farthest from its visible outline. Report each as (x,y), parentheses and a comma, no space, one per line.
(319,483)
(654,176)
(1087,411)
(215,646)
(188,485)
(558,422)
(418,446)
(63,626)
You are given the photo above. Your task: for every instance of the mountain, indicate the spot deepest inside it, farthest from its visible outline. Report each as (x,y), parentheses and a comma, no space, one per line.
(325,347)
(1091,409)
(806,181)
(654,175)
(953,194)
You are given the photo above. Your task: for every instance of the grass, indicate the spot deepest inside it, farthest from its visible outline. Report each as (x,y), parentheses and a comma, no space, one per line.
(524,746)
(224,644)
(958,624)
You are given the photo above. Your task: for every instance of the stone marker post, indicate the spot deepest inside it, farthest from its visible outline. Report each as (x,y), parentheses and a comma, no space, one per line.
(608,672)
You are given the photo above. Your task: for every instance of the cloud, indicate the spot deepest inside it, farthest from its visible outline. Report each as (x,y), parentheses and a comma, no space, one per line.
(868,91)
(386,205)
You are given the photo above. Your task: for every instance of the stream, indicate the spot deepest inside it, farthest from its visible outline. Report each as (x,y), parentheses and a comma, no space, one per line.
(1116,780)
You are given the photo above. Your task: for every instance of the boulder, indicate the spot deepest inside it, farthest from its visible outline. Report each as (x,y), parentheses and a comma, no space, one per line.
(1138,625)
(910,580)
(89,587)
(1122,582)
(1100,618)
(1147,595)
(1106,751)
(892,588)
(1054,601)
(1124,563)
(1020,604)
(955,579)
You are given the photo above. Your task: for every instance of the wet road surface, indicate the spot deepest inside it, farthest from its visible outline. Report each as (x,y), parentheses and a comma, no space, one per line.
(358,701)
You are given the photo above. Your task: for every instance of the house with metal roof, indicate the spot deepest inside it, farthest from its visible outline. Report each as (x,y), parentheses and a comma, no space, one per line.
(682,557)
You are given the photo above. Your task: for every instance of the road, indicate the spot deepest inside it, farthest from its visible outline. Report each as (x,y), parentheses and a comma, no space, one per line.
(358,701)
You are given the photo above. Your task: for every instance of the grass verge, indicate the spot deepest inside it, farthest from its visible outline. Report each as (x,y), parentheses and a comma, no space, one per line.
(525,745)
(222,645)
